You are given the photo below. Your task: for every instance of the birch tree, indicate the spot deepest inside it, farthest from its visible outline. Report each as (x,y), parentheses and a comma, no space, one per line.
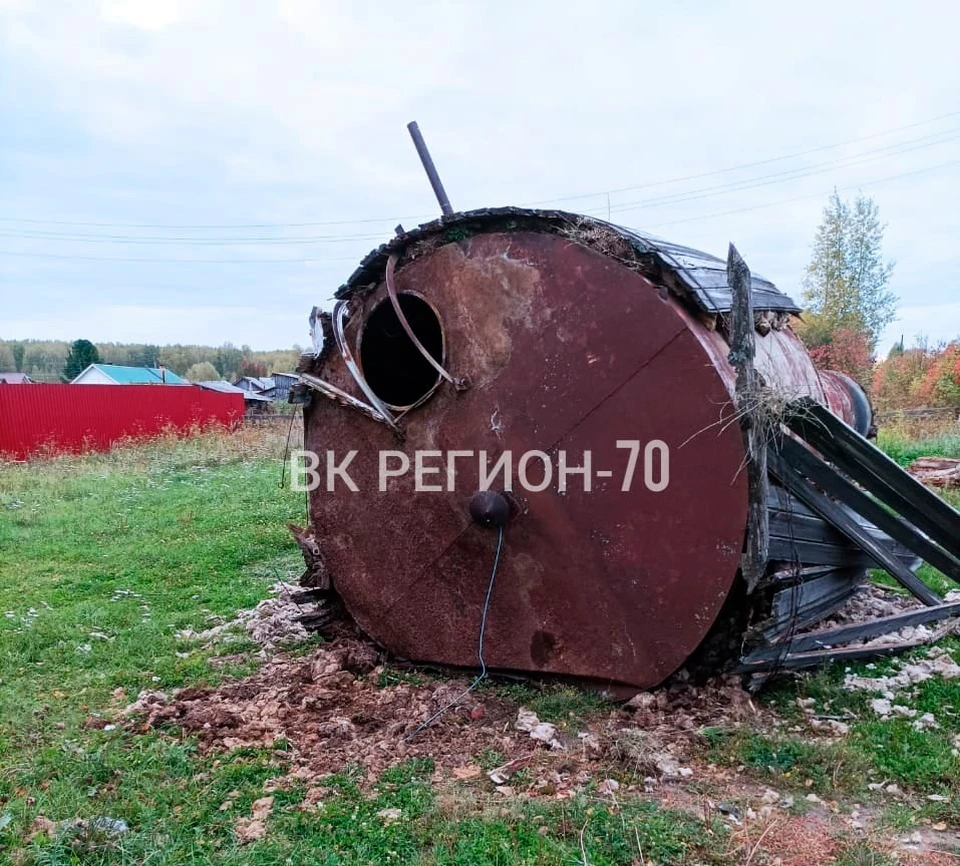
(846,287)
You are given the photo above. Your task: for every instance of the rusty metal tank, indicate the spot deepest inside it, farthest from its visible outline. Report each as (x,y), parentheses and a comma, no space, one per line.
(560,336)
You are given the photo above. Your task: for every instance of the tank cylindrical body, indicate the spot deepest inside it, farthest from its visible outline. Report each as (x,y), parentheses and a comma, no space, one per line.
(595,392)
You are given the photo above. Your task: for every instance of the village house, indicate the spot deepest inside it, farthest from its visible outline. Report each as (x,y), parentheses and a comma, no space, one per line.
(276,386)
(254,403)
(115,374)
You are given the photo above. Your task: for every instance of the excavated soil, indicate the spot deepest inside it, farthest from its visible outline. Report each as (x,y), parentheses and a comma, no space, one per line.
(332,710)
(339,708)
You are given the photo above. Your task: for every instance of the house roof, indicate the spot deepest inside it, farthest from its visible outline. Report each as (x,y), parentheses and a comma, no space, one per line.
(261,383)
(14,378)
(220,385)
(227,388)
(137,375)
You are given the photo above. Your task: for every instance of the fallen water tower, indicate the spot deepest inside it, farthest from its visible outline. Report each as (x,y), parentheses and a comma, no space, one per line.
(569,382)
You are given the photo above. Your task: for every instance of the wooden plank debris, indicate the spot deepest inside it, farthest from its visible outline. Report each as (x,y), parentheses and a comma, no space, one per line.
(742,351)
(880,476)
(936,471)
(833,483)
(860,631)
(832,512)
(798,661)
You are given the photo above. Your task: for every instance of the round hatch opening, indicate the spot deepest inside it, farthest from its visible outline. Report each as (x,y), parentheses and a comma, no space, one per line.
(392,364)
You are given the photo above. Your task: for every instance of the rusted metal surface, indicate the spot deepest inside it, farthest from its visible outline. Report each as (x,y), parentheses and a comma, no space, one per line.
(786,367)
(574,335)
(847,400)
(565,349)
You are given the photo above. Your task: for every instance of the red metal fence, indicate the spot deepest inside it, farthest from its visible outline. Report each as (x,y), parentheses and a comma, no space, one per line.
(59,418)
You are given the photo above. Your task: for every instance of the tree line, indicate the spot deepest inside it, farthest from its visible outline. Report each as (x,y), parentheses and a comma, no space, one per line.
(47,360)
(918,376)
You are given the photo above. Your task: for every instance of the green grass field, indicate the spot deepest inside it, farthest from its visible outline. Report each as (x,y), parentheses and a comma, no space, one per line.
(103,558)
(905,450)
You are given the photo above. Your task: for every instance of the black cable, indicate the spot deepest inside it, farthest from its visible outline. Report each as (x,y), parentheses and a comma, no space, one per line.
(483,665)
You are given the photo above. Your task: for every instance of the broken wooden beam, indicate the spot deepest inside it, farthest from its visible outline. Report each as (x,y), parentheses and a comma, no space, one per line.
(936,471)
(314,621)
(861,631)
(803,489)
(798,661)
(831,482)
(753,563)
(869,467)
(305,596)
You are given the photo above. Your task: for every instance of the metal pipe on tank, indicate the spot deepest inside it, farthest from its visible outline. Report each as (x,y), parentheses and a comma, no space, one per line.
(430,168)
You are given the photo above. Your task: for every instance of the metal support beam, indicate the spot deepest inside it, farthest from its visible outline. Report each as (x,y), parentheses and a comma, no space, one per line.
(830,481)
(869,467)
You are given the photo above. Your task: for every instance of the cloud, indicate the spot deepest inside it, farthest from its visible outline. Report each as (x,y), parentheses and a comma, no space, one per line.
(155,111)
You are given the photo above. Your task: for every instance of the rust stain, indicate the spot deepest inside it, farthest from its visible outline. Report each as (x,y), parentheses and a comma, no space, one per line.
(565,349)
(570,340)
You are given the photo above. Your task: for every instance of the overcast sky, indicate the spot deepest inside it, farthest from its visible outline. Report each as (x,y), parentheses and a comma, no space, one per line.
(207,171)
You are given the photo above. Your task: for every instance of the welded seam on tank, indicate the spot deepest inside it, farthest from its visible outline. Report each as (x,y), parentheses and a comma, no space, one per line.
(421,573)
(618,387)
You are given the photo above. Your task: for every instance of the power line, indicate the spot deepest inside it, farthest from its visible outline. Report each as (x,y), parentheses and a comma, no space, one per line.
(884,152)
(69,237)
(394,220)
(255,261)
(785,176)
(806,197)
(19,254)
(205,226)
(744,165)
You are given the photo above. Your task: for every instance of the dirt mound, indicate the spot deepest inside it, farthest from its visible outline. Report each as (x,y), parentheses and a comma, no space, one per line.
(333,710)
(329,707)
